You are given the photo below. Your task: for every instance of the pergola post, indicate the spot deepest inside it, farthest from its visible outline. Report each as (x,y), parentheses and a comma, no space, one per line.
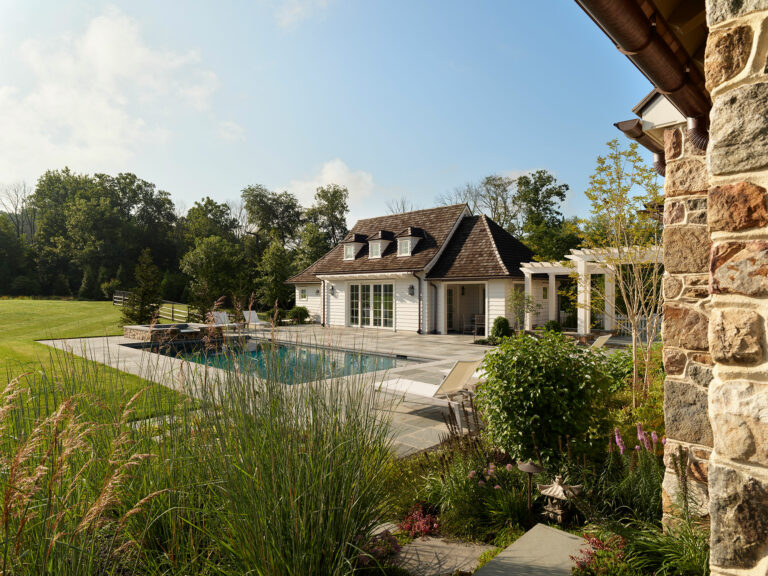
(583,312)
(610,301)
(552,293)
(528,324)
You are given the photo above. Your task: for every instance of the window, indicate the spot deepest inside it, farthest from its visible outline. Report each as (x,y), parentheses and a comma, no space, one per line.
(545,293)
(404,247)
(374,250)
(350,251)
(303,294)
(371,305)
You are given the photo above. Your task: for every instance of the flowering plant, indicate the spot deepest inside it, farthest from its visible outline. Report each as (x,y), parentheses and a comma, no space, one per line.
(419,521)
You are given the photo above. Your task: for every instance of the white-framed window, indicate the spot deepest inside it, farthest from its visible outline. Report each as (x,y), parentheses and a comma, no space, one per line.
(545,292)
(404,247)
(374,250)
(302,294)
(350,251)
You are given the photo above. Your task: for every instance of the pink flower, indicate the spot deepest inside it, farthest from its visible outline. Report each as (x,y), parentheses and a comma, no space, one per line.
(664,441)
(472,474)
(480,483)
(497,487)
(619,441)
(510,467)
(637,447)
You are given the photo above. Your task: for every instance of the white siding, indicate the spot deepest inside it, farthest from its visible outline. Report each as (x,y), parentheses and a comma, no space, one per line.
(406,306)
(313,302)
(336,311)
(496,293)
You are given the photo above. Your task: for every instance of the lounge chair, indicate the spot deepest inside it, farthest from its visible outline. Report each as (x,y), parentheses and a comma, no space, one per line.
(221,320)
(460,380)
(601,341)
(252,320)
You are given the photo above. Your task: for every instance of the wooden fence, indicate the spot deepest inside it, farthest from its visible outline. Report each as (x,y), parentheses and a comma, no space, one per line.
(169,310)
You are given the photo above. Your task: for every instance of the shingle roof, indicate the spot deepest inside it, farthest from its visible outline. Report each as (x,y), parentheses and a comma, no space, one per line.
(436,224)
(480,248)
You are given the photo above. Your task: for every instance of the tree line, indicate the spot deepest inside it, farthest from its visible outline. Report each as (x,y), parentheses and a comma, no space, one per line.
(80,235)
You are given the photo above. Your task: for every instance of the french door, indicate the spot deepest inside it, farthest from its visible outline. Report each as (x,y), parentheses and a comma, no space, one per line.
(371,305)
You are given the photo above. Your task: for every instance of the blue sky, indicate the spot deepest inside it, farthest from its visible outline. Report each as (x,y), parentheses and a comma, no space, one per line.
(389,98)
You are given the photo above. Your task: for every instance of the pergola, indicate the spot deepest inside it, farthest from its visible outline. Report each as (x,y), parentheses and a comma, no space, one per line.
(586,263)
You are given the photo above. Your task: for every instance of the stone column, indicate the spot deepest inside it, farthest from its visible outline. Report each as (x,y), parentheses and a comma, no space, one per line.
(736,67)
(584,299)
(552,293)
(528,324)
(687,363)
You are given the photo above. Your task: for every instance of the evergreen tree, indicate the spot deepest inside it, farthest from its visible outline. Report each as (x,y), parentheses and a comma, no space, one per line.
(144,302)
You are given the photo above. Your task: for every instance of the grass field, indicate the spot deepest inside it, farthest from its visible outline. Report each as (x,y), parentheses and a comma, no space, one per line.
(24,321)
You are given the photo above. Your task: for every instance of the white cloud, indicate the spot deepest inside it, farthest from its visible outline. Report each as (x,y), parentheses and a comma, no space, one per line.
(359,183)
(231,131)
(83,104)
(291,12)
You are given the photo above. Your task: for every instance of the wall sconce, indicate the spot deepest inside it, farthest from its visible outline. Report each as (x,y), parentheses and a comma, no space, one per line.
(410,290)
(332,290)
(317,291)
(462,290)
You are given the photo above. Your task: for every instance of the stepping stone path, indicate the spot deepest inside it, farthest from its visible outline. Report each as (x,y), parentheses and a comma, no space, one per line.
(542,551)
(434,556)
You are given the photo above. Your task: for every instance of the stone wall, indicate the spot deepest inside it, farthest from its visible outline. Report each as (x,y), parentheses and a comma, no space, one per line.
(736,65)
(687,310)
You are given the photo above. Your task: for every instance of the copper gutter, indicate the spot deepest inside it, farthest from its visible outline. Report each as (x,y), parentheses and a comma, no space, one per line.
(636,36)
(634,129)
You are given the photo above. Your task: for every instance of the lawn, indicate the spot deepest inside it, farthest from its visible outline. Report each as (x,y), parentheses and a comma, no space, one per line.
(24,321)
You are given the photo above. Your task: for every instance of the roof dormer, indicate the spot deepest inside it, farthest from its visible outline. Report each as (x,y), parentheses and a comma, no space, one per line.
(407,240)
(378,243)
(352,245)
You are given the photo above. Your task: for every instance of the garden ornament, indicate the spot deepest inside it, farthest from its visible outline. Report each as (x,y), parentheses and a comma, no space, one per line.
(558,495)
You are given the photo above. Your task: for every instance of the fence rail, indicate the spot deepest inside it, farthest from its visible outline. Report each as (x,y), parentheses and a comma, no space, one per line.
(625,328)
(169,310)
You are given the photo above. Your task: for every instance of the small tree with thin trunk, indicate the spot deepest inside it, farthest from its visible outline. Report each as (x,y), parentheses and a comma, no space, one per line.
(624,234)
(144,301)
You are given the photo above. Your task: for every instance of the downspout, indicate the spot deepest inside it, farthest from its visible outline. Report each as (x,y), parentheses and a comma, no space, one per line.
(434,307)
(322,285)
(421,303)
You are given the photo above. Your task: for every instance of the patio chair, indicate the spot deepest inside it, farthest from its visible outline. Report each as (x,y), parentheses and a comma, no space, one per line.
(459,381)
(252,320)
(221,320)
(601,341)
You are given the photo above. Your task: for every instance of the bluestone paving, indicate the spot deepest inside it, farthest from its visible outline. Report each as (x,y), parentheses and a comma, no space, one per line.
(431,556)
(542,551)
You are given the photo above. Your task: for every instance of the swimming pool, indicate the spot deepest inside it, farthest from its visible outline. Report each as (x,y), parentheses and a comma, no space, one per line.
(295,364)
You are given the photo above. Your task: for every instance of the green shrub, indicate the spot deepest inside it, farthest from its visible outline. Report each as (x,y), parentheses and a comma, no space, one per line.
(553,326)
(539,392)
(298,314)
(500,328)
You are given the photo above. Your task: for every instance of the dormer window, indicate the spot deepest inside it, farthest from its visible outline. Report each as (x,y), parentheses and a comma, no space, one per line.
(407,240)
(352,244)
(378,242)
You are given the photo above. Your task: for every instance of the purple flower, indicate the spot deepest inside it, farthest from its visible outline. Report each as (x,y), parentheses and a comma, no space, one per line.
(655,438)
(640,431)
(497,487)
(510,467)
(619,441)
(637,447)
(664,441)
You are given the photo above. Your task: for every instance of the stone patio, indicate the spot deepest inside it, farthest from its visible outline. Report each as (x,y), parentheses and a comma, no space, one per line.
(417,422)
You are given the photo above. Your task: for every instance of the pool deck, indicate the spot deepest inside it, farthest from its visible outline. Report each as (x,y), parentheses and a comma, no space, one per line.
(418,419)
